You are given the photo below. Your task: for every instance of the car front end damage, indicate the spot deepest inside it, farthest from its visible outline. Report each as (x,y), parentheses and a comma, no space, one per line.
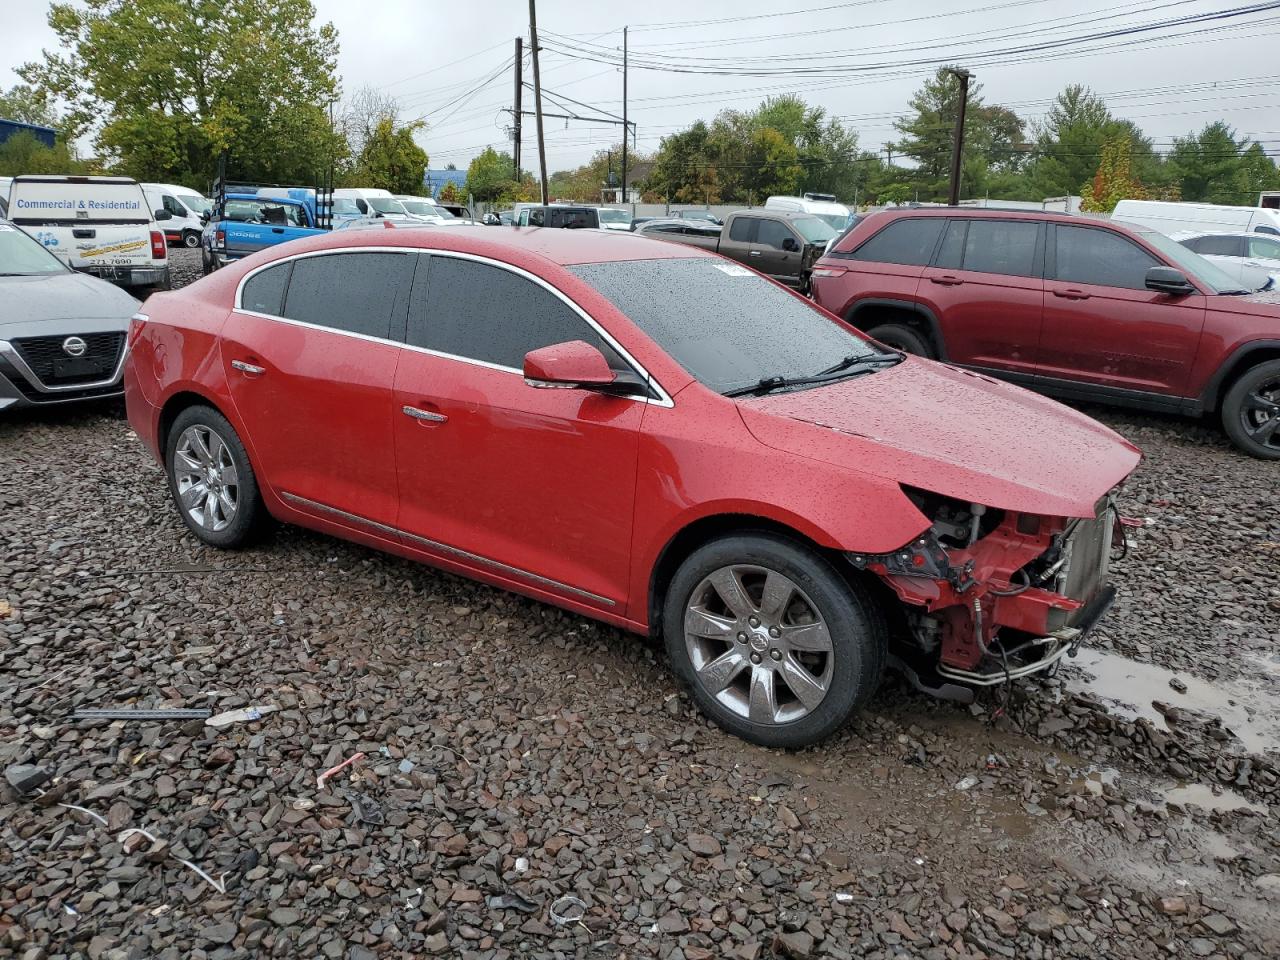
(989,595)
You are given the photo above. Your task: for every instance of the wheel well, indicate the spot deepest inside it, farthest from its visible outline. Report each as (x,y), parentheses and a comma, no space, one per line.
(174,406)
(874,315)
(1237,369)
(703,531)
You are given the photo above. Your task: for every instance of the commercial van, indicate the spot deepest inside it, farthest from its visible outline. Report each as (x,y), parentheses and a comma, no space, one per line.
(186,207)
(1189,218)
(821,205)
(102,226)
(374,203)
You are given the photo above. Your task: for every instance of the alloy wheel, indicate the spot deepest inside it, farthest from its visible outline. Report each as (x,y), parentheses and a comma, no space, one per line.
(1260,414)
(758,644)
(206,477)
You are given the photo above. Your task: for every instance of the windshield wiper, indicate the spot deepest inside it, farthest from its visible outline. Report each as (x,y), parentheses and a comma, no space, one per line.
(846,367)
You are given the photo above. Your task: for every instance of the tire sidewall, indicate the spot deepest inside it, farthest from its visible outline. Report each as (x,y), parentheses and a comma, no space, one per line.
(249,509)
(907,339)
(188,238)
(858,640)
(1234,401)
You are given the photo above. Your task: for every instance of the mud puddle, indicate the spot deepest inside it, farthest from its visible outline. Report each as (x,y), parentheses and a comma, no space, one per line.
(1202,795)
(1250,709)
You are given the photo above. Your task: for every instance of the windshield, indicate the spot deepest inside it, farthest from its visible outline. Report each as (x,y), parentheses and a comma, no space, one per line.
(813,229)
(726,325)
(195,203)
(609,215)
(343,206)
(386,204)
(20,256)
(1213,277)
(420,208)
(836,221)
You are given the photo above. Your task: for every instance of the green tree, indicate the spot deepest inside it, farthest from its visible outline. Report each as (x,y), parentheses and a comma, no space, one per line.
(1208,164)
(390,160)
(826,151)
(684,169)
(1257,172)
(169,84)
(27,104)
(23,153)
(1114,180)
(772,165)
(490,175)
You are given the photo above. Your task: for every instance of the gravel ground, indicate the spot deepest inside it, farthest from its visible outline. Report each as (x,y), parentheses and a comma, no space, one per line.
(515,755)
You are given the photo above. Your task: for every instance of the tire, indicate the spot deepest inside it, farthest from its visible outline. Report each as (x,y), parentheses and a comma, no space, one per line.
(191,239)
(232,520)
(903,338)
(701,629)
(1251,411)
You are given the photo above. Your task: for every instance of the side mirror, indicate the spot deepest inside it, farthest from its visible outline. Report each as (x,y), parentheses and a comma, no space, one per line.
(568,365)
(1170,281)
(204,219)
(163,215)
(790,245)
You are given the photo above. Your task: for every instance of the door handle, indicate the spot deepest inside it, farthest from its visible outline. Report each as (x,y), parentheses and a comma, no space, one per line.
(947,280)
(1071,294)
(277,229)
(249,369)
(753,253)
(423,416)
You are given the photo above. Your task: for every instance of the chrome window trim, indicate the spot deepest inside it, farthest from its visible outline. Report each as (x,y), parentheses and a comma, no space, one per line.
(10,353)
(663,400)
(444,548)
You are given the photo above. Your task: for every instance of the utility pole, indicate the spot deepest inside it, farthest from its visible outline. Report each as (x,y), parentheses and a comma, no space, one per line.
(515,151)
(963,76)
(625,129)
(537,96)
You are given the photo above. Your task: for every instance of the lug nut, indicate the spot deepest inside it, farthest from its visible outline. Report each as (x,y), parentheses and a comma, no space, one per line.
(755,658)
(742,638)
(775,653)
(754,621)
(775,632)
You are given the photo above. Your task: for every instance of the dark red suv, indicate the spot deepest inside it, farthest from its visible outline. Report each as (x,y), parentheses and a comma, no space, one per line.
(1075,307)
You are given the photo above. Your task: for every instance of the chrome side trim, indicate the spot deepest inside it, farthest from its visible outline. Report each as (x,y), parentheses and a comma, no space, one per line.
(444,548)
(10,353)
(664,399)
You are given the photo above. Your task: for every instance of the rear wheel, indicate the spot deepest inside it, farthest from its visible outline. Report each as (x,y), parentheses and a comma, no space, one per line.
(904,338)
(774,645)
(191,239)
(1251,411)
(211,480)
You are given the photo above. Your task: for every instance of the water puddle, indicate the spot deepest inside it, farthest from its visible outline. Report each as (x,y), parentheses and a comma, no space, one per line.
(1249,709)
(1202,795)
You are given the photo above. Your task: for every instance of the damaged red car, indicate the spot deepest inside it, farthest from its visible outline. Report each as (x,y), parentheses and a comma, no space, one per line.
(645,434)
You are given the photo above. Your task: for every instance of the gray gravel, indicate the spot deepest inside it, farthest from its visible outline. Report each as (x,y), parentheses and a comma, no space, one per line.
(516,755)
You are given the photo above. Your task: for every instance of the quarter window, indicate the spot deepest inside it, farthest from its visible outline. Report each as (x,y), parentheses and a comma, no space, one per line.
(743,229)
(264,292)
(352,292)
(1100,257)
(481,312)
(909,242)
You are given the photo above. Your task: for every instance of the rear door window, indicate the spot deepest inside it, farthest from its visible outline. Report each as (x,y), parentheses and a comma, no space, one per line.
(1100,257)
(1264,248)
(352,292)
(909,242)
(1006,247)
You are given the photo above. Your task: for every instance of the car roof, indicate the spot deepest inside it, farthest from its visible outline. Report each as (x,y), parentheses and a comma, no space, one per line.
(989,214)
(561,247)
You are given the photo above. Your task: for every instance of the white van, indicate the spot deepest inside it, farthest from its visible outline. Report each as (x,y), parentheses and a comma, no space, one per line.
(185,206)
(821,205)
(1171,218)
(97,225)
(372,202)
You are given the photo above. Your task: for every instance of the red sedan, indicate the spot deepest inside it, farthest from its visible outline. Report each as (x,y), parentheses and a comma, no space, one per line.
(646,434)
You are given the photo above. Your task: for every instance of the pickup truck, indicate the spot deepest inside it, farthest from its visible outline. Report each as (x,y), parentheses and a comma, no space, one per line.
(252,219)
(779,244)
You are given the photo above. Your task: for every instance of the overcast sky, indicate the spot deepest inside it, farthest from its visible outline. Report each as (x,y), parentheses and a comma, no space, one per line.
(434,55)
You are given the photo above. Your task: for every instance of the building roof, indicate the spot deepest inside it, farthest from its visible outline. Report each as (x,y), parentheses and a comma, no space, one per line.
(434,180)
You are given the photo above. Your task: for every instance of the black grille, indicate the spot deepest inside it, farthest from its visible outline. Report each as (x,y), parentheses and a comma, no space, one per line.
(41,353)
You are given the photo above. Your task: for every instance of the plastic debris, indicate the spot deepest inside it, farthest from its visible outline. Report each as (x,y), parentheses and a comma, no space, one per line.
(967,783)
(513,901)
(71,911)
(406,766)
(220,885)
(302,803)
(568,910)
(242,715)
(844,898)
(522,864)
(367,809)
(140,714)
(332,770)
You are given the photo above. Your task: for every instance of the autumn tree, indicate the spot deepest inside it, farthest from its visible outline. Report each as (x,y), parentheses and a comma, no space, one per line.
(1114,180)
(449,193)
(165,86)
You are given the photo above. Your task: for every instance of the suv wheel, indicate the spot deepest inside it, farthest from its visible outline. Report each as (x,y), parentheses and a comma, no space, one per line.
(774,645)
(211,479)
(1251,411)
(904,338)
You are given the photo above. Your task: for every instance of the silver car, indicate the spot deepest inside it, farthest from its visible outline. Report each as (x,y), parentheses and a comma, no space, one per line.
(1249,258)
(62,333)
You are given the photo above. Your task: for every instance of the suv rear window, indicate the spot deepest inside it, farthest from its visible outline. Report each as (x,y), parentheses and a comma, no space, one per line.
(908,242)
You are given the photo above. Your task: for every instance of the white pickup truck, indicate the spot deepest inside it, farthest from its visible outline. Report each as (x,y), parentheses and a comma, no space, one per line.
(103,226)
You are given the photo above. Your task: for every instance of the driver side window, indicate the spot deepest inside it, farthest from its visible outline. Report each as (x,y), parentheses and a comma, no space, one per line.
(1102,258)
(771,233)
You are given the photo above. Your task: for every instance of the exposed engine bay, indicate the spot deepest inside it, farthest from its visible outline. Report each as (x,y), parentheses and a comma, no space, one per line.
(990,595)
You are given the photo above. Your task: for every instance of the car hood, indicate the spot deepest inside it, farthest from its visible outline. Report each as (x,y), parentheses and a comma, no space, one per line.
(61,296)
(953,432)
(1265,303)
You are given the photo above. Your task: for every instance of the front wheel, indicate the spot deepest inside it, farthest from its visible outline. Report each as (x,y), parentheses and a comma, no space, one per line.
(211,480)
(1251,411)
(775,646)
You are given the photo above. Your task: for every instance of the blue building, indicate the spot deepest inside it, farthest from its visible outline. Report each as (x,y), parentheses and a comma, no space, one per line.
(45,135)
(434,181)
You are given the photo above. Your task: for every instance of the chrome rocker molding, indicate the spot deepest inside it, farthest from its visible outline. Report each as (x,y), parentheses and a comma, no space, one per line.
(444,548)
